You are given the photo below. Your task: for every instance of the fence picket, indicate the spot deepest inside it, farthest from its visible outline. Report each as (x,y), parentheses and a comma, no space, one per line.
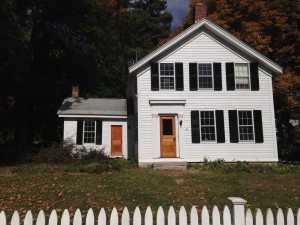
(65,219)
(270,217)
(160,218)
(226,216)
(125,217)
(182,216)
(77,220)
(298,217)
(102,217)
(2,218)
(204,216)
(194,216)
(114,217)
(280,217)
(28,218)
(171,216)
(259,218)
(15,220)
(137,218)
(216,216)
(90,218)
(290,217)
(148,216)
(53,218)
(249,217)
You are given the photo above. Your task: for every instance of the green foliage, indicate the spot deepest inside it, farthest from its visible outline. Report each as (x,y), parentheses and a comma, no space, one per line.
(246,167)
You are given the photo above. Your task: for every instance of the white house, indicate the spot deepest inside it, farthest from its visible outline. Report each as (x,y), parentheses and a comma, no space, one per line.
(96,123)
(204,94)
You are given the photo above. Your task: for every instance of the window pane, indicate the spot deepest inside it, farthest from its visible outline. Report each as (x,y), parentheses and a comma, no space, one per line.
(207,126)
(167,76)
(89,131)
(205,75)
(167,127)
(241,76)
(246,126)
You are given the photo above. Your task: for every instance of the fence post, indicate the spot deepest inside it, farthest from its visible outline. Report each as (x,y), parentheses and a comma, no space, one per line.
(237,206)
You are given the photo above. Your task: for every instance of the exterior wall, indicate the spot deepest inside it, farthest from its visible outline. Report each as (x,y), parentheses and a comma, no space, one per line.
(70,132)
(204,48)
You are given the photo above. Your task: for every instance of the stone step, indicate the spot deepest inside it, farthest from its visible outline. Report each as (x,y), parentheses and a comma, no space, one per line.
(169,166)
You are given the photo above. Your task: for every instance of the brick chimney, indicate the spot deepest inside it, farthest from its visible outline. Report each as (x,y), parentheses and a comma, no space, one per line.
(75,92)
(200,11)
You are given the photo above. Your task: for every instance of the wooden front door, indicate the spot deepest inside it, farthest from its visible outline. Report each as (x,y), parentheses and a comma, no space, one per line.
(116,140)
(167,136)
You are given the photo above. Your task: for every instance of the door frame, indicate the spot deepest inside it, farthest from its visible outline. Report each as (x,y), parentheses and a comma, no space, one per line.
(176,134)
(122,149)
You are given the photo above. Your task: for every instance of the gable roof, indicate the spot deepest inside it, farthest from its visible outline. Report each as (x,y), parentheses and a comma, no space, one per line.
(93,106)
(225,35)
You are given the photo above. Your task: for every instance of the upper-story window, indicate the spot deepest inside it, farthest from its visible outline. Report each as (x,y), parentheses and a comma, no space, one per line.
(205,76)
(242,78)
(167,76)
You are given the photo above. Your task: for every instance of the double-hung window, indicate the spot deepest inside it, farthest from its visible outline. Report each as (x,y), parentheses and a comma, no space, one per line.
(242,78)
(245,124)
(89,132)
(207,126)
(205,76)
(167,80)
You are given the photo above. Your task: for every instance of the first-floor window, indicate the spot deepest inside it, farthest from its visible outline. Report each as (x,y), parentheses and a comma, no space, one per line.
(167,76)
(245,123)
(207,126)
(89,131)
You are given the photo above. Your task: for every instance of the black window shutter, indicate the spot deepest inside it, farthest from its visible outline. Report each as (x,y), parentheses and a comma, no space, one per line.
(195,127)
(99,132)
(254,76)
(154,77)
(233,126)
(217,77)
(230,80)
(179,76)
(220,126)
(258,127)
(193,77)
(79,132)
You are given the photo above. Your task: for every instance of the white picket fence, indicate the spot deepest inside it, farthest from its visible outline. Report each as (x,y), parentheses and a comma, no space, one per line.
(234,216)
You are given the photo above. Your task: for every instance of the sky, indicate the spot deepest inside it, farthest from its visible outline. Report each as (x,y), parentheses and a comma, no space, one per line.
(178,8)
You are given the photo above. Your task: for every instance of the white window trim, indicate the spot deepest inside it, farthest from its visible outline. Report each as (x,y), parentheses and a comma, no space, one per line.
(242,89)
(83,132)
(211,141)
(212,75)
(238,121)
(174,76)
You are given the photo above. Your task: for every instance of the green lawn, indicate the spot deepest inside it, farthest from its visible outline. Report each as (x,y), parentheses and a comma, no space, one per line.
(142,187)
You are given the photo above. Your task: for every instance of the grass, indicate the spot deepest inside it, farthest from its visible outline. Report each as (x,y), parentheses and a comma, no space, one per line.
(58,187)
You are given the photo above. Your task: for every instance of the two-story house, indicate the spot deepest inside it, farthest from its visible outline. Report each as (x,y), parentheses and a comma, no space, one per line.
(204,94)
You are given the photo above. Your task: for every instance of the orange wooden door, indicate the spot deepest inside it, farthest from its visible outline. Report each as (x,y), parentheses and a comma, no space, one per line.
(167,136)
(116,140)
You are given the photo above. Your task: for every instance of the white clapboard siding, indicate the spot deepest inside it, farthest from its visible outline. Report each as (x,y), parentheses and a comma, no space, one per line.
(204,48)
(160,217)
